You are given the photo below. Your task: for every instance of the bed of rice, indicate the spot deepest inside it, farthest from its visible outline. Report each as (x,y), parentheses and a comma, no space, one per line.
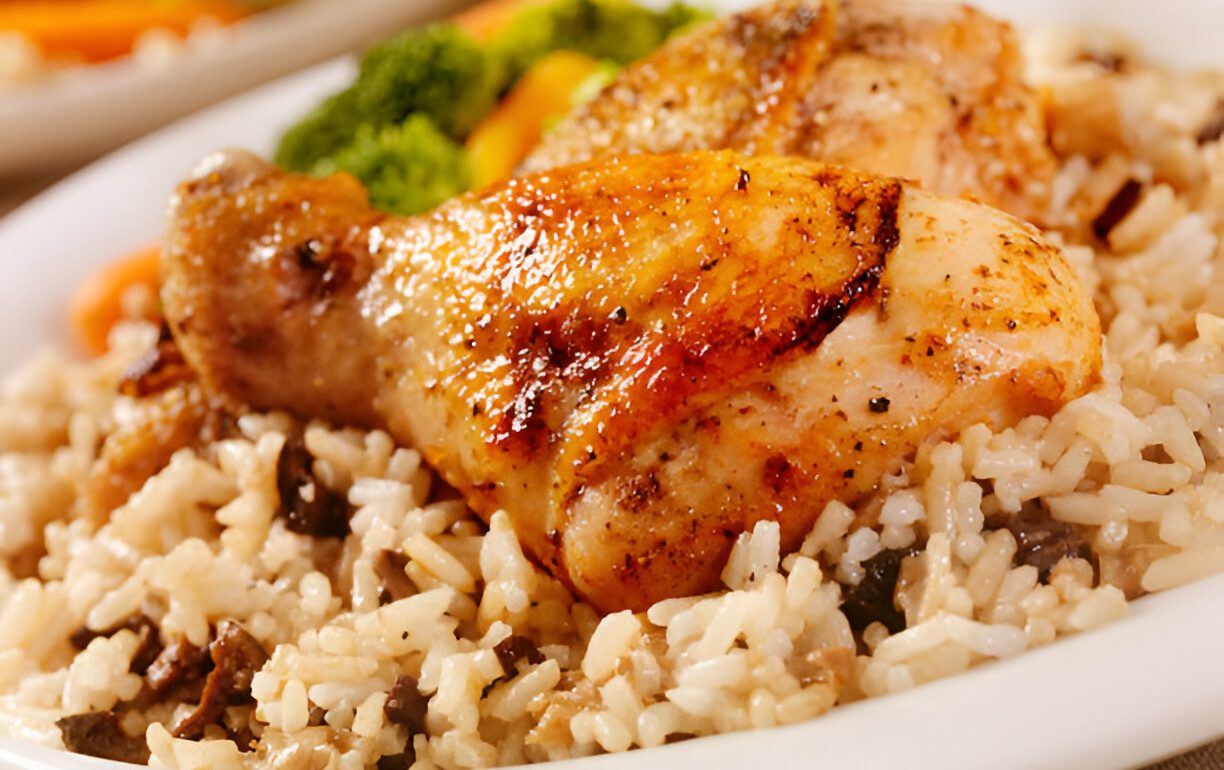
(1137,466)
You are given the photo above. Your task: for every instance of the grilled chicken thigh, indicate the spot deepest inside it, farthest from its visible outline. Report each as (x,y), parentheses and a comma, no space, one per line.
(637,359)
(929,91)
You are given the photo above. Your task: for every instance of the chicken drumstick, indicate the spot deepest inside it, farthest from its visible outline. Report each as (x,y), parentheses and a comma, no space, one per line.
(637,359)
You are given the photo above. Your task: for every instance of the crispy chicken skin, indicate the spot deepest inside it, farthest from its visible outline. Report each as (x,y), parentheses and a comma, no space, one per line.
(923,90)
(637,359)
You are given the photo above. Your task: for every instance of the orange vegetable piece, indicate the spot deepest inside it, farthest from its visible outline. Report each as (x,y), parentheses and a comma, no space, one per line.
(544,92)
(96,30)
(485,20)
(97,304)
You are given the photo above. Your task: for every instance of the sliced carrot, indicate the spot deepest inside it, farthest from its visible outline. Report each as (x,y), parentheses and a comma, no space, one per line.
(543,93)
(96,30)
(97,304)
(485,20)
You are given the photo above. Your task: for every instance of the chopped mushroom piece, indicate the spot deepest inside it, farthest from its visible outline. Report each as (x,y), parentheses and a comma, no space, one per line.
(406,705)
(401,761)
(148,647)
(1121,204)
(1043,542)
(512,649)
(389,566)
(308,507)
(873,600)
(98,734)
(236,656)
(178,664)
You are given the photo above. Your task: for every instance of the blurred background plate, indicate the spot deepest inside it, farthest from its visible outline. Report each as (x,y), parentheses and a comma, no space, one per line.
(83,112)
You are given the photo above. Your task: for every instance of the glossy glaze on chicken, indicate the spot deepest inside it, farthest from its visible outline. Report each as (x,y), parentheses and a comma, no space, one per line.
(637,359)
(929,91)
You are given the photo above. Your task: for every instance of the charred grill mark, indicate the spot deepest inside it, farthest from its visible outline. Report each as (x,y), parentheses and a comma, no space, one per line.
(720,348)
(887,235)
(825,312)
(549,349)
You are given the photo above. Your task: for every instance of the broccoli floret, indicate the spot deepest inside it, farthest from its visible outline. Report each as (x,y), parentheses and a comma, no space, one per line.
(438,70)
(407,168)
(326,129)
(397,127)
(617,30)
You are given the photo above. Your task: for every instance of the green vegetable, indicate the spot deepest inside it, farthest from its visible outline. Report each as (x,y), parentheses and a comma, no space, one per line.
(438,70)
(324,131)
(407,169)
(397,127)
(617,30)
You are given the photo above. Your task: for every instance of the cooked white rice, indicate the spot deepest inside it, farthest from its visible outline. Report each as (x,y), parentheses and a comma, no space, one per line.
(1136,466)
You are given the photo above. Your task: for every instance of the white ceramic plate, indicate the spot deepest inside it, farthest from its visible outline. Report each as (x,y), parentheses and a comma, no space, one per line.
(1140,689)
(90,110)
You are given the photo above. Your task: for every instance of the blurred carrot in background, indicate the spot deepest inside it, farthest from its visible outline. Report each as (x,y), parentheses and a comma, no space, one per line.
(97,304)
(484,20)
(545,92)
(96,30)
